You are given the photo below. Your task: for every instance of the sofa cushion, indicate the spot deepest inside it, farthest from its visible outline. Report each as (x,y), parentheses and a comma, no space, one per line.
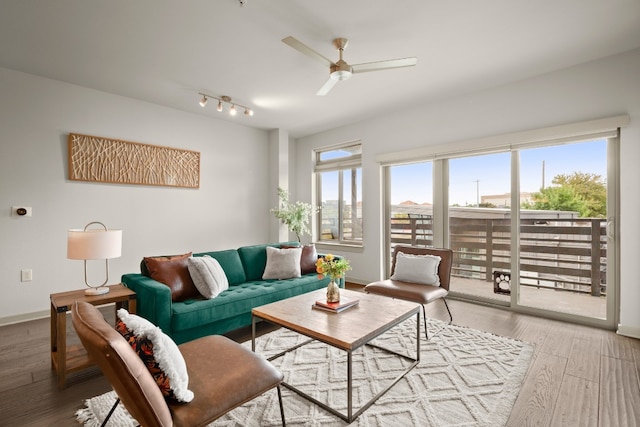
(159,353)
(254,259)
(308,258)
(282,263)
(208,276)
(239,300)
(231,264)
(173,272)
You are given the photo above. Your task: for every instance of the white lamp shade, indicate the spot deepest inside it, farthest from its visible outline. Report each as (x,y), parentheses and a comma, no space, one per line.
(94,244)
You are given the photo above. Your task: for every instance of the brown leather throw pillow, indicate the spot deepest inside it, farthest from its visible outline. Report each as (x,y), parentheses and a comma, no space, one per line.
(173,272)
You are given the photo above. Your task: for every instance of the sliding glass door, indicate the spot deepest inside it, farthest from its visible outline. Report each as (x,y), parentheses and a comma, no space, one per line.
(410,205)
(531,227)
(563,229)
(480,223)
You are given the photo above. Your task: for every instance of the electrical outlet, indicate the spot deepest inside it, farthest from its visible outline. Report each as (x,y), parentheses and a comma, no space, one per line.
(26,275)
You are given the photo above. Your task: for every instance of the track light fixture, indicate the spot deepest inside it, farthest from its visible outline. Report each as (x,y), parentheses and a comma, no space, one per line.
(223,99)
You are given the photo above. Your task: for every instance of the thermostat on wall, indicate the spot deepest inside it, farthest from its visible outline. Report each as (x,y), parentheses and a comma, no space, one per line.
(21,211)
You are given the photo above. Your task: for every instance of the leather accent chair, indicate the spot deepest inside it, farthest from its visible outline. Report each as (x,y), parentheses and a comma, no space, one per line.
(417,292)
(222,374)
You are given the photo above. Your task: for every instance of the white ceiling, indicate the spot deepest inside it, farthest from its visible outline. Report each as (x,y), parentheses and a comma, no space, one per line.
(166,51)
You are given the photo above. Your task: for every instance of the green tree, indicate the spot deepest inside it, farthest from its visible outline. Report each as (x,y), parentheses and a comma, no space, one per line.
(592,188)
(558,199)
(583,192)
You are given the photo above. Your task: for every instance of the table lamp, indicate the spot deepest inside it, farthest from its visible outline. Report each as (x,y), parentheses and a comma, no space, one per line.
(94,244)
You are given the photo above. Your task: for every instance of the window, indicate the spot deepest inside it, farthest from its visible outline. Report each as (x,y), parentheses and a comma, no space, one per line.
(339,194)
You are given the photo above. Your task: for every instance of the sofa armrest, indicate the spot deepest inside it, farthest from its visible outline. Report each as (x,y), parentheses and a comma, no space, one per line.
(153,299)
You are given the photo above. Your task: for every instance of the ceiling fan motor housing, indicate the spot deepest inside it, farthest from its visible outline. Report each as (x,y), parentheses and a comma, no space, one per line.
(340,70)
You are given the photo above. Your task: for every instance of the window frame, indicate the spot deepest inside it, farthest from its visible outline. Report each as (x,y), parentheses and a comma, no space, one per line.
(345,164)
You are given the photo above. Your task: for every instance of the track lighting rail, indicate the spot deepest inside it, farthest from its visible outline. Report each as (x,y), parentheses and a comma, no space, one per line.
(224,99)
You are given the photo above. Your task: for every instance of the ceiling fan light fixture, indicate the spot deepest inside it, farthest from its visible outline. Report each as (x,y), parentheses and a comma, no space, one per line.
(340,75)
(340,70)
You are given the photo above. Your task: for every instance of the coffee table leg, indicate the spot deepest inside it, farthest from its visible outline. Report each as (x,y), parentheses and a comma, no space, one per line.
(253,333)
(349,388)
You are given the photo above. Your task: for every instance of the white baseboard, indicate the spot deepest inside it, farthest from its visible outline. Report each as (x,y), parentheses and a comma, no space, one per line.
(10,320)
(629,331)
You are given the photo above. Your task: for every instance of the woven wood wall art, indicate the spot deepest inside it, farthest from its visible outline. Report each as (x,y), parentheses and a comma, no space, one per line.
(97,159)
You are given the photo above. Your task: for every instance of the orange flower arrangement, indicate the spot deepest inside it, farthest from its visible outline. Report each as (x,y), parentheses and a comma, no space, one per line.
(332,266)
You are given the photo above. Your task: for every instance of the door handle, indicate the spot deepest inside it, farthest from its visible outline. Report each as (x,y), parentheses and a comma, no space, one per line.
(611,232)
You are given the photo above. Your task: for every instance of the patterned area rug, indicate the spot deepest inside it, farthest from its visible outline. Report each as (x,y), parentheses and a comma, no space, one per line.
(465,378)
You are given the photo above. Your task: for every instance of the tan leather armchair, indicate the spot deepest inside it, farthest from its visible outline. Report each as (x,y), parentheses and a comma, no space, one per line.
(416,292)
(222,374)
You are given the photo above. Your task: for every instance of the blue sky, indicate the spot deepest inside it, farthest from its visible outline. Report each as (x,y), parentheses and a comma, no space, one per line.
(413,182)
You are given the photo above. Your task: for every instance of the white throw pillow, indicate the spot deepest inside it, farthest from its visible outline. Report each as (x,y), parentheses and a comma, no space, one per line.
(282,263)
(165,352)
(421,269)
(207,275)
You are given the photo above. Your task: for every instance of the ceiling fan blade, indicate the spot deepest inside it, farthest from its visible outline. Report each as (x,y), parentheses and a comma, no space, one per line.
(327,87)
(306,50)
(384,65)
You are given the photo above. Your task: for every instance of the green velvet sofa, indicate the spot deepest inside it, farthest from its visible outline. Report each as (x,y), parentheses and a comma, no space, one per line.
(193,318)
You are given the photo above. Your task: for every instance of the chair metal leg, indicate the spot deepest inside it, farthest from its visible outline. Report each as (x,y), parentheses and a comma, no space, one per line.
(424,315)
(449,311)
(113,408)
(281,406)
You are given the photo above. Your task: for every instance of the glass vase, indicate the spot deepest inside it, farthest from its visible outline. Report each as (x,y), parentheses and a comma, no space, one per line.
(333,292)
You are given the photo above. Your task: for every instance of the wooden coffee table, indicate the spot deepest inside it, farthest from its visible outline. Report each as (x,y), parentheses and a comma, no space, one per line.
(347,331)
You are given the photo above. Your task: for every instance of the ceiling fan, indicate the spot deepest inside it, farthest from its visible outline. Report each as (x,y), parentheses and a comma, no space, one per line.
(340,70)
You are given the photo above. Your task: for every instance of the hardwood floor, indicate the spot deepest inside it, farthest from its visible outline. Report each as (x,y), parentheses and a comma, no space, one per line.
(579,376)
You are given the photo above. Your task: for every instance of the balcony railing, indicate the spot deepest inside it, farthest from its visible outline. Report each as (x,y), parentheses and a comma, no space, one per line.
(561,253)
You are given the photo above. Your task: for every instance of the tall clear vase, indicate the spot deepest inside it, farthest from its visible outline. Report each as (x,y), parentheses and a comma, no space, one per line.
(333,292)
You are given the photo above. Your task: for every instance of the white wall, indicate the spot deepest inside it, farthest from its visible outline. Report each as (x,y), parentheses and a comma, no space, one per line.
(599,89)
(229,210)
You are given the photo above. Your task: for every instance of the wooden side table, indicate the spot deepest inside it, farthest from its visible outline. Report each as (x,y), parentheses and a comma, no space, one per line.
(74,358)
